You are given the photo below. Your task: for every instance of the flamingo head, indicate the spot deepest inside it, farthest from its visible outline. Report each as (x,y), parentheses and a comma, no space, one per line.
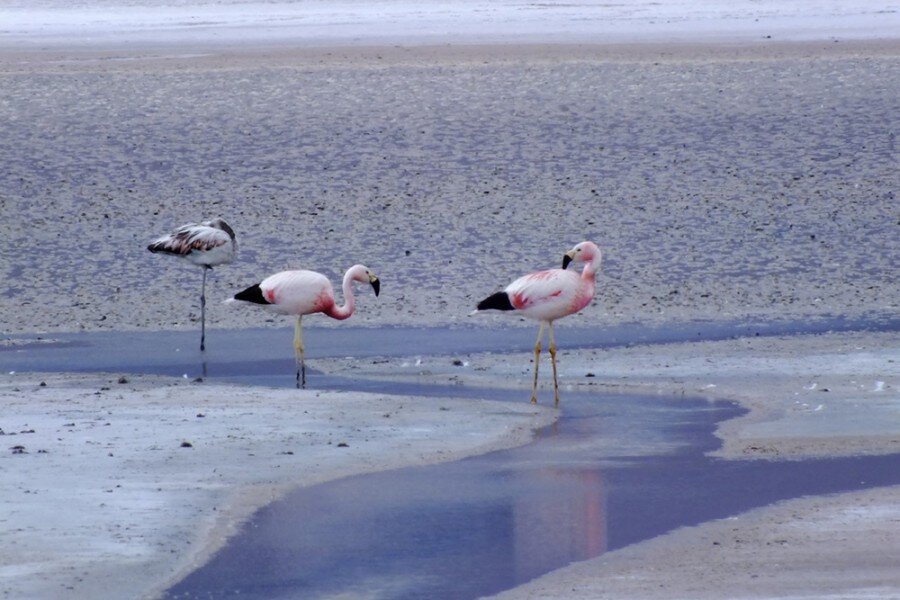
(363,274)
(220,223)
(583,252)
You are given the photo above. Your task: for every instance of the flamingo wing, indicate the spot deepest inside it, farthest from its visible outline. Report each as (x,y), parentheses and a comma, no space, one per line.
(190,238)
(297,292)
(545,295)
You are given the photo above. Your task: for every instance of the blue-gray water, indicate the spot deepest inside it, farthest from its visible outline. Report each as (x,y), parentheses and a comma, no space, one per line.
(613,471)
(485,524)
(243,354)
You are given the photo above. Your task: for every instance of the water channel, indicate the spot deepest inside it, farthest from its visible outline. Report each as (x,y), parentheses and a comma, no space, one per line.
(613,471)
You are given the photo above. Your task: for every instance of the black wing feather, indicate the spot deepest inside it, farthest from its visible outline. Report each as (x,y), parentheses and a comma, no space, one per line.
(498,301)
(252,294)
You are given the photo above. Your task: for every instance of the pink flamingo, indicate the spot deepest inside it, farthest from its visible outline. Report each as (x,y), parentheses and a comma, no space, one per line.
(304,293)
(549,295)
(208,244)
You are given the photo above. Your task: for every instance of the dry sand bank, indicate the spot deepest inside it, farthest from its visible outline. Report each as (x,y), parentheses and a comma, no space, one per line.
(104,499)
(762,186)
(186,57)
(125,24)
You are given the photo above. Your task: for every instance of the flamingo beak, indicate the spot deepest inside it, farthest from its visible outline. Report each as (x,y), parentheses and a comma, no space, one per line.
(567,258)
(376,284)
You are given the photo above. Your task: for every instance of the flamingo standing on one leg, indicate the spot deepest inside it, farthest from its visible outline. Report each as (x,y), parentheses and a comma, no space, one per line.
(208,244)
(549,295)
(303,293)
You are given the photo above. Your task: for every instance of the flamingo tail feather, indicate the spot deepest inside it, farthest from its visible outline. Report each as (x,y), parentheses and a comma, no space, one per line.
(252,294)
(498,301)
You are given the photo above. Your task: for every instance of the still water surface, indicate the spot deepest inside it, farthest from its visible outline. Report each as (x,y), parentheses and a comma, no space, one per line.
(613,471)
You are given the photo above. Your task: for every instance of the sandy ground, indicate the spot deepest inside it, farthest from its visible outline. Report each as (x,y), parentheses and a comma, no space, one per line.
(731,182)
(734,182)
(103,498)
(162,24)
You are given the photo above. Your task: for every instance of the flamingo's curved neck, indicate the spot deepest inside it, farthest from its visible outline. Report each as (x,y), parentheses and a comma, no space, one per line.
(344,312)
(590,268)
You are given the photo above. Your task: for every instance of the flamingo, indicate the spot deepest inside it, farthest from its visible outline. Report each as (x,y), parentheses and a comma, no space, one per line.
(208,244)
(549,295)
(303,293)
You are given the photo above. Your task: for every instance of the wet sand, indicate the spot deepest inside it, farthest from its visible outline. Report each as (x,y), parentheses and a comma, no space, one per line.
(149,509)
(755,182)
(123,486)
(808,395)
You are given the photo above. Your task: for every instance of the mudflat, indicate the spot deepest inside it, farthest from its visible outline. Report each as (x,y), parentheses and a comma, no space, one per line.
(757,181)
(751,181)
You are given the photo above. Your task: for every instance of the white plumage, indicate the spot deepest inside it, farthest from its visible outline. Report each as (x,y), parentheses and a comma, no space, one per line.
(549,295)
(210,243)
(303,293)
(297,292)
(207,244)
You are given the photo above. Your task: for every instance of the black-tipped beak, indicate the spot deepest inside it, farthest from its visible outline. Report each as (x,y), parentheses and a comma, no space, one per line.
(566,260)
(376,285)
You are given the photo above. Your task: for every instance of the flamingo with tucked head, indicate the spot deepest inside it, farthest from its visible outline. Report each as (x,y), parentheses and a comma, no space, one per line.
(304,293)
(549,295)
(208,244)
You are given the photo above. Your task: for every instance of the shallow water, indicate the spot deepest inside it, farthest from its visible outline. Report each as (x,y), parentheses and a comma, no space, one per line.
(266,356)
(613,471)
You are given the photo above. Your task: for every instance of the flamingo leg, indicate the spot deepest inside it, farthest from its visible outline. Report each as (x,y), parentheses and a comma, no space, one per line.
(298,353)
(537,359)
(553,362)
(203,311)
